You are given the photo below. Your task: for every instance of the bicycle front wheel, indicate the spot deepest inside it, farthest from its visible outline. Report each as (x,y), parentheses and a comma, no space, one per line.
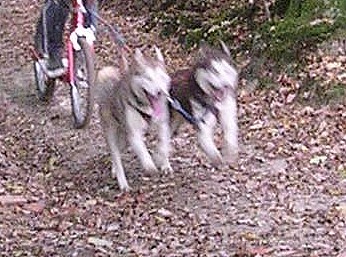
(82,90)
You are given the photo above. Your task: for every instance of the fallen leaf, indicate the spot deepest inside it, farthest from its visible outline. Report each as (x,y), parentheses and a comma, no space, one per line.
(165,213)
(290,98)
(261,250)
(99,242)
(333,65)
(256,126)
(160,219)
(36,207)
(318,159)
(250,236)
(342,210)
(12,199)
(342,254)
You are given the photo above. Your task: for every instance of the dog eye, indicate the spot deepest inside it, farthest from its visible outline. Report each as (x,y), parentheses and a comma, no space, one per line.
(212,85)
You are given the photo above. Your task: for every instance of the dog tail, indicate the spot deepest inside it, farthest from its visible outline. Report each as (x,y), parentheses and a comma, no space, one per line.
(105,80)
(106,74)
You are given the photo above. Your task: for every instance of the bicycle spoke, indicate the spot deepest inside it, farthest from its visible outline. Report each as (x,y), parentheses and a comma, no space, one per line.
(82,88)
(77,99)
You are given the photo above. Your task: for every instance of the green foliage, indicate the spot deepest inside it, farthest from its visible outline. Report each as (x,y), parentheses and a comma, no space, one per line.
(305,25)
(193,21)
(288,40)
(297,27)
(335,93)
(322,95)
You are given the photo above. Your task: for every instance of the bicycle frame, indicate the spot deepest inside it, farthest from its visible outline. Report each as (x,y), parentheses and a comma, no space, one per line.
(79,65)
(76,30)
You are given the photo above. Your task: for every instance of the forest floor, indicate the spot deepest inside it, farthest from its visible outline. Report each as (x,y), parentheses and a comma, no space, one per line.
(57,198)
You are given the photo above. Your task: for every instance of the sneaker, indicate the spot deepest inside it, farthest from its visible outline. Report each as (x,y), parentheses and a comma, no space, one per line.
(55,67)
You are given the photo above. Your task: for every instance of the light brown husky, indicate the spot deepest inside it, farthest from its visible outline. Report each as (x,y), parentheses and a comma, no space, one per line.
(128,104)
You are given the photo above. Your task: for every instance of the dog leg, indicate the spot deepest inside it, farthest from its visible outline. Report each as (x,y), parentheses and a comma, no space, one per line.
(163,146)
(206,139)
(136,140)
(176,121)
(140,149)
(229,124)
(117,167)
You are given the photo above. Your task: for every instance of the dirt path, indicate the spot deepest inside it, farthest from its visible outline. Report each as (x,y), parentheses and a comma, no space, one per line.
(286,199)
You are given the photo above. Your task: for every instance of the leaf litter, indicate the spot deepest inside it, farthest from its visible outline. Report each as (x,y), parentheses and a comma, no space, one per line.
(287,197)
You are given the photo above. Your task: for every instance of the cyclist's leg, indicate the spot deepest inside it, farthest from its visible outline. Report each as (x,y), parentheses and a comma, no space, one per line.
(56,16)
(40,44)
(49,34)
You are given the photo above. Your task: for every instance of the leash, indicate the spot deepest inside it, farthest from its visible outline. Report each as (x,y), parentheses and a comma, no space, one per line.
(114,31)
(116,36)
(120,40)
(173,102)
(176,105)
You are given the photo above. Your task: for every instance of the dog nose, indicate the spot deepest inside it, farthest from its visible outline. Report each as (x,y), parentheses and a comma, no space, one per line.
(156,94)
(220,93)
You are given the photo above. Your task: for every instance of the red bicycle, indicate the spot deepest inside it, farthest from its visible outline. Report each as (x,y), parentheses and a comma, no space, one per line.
(79,68)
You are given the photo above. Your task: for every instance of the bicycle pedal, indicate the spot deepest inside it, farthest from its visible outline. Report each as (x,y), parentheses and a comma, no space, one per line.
(51,73)
(55,73)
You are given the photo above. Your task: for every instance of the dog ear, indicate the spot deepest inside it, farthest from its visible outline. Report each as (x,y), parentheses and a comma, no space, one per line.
(203,47)
(159,55)
(139,57)
(225,49)
(125,64)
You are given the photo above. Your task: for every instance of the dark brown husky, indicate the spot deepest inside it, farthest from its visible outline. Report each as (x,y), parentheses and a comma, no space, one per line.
(208,91)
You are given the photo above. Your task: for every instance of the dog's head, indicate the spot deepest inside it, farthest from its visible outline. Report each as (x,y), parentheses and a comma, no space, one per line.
(215,73)
(150,82)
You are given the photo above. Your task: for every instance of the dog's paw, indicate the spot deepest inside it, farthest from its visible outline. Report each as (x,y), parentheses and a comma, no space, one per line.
(216,160)
(150,167)
(167,168)
(230,157)
(122,181)
(163,163)
(125,188)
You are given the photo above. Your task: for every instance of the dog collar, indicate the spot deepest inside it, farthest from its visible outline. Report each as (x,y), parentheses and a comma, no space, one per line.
(144,115)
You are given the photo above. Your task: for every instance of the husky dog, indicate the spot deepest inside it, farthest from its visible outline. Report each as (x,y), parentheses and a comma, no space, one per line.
(207,92)
(128,104)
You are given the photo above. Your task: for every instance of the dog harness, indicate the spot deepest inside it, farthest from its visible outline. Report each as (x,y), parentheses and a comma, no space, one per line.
(186,78)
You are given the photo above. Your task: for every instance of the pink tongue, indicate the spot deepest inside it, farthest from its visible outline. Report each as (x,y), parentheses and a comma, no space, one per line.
(155,103)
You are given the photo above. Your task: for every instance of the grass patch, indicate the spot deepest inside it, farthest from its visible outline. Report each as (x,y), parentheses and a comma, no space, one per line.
(297,28)
(305,25)
(336,93)
(314,92)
